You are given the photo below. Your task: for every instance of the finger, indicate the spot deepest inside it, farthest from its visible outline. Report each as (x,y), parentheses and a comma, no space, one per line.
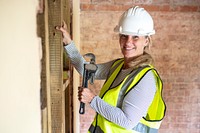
(79,86)
(81,98)
(80,94)
(63,30)
(57,27)
(64,25)
(60,28)
(80,89)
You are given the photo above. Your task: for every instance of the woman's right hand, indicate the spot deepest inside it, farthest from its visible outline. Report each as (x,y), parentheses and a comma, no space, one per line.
(66,36)
(85,95)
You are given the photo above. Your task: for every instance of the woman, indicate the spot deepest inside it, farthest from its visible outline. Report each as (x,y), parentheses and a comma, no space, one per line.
(130,100)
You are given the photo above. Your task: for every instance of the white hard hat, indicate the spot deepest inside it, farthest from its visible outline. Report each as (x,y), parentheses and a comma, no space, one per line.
(135,21)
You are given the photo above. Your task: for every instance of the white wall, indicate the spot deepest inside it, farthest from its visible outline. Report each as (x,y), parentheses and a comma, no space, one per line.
(19,67)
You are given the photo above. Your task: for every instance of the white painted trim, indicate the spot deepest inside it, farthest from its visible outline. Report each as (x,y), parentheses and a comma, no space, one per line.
(76,79)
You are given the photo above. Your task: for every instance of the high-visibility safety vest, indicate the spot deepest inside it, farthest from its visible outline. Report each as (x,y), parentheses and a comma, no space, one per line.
(156,112)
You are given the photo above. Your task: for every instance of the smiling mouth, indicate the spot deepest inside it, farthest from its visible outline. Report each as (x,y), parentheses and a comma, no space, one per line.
(128,49)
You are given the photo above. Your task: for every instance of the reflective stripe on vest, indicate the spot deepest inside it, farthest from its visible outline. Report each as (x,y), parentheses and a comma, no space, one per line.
(148,124)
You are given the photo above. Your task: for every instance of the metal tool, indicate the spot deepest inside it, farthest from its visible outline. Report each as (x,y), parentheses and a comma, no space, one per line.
(88,74)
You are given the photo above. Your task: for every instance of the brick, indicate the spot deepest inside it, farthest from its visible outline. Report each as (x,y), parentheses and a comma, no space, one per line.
(85,1)
(107,8)
(102,1)
(119,7)
(186,8)
(87,7)
(143,2)
(161,2)
(123,2)
(186,2)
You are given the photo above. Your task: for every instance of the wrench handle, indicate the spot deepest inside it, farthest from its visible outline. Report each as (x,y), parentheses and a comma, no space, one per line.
(82,108)
(84,84)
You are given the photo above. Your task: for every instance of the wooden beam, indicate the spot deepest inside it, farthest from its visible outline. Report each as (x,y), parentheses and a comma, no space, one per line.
(54,50)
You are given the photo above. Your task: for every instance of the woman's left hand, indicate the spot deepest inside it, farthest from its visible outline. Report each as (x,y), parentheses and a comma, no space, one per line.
(66,36)
(85,95)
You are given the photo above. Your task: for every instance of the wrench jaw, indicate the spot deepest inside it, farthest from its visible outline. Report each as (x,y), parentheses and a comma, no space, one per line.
(91,68)
(91,56)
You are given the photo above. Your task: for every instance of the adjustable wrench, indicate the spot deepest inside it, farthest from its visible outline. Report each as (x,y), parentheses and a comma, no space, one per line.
(88,74)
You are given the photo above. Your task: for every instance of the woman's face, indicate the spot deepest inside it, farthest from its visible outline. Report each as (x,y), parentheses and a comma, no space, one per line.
(132,46)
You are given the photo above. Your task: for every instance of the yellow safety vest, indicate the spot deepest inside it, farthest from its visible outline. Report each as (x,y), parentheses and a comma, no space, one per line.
(156,112)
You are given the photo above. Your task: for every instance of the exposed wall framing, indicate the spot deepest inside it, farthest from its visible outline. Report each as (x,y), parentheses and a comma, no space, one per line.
(56,92)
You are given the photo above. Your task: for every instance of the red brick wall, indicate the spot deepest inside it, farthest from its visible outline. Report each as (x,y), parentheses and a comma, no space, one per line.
(176,50)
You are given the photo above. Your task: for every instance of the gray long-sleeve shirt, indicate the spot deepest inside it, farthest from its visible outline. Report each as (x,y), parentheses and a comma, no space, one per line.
(135,104)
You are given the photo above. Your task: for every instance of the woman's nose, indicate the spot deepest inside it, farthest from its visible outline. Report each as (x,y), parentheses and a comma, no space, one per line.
(129,40)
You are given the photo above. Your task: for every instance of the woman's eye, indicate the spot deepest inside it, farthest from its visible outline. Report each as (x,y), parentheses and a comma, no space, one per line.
(123,36)
(135,37)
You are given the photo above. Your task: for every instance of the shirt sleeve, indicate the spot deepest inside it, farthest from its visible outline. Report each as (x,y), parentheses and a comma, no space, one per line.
(78,62)
(135,104)
(75,57)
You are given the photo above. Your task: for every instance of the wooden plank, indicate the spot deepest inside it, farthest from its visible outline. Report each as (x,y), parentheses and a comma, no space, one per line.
(55,67)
